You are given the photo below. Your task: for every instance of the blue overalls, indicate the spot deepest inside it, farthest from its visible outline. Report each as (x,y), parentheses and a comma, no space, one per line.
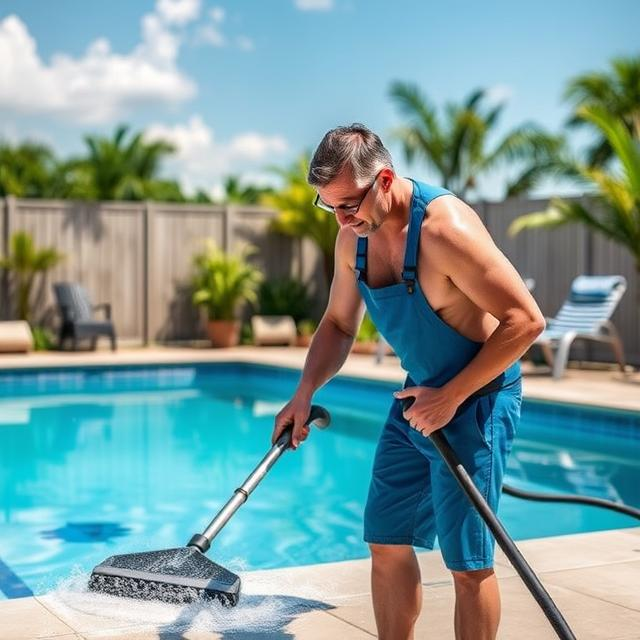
(413,496)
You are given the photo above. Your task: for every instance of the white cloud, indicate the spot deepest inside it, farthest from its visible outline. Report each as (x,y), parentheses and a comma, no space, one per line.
(98,86)
(202,162)
(209,34)
(314,5)
(499,93)
(245,43)
(178,12)
(217,14)
(254,146)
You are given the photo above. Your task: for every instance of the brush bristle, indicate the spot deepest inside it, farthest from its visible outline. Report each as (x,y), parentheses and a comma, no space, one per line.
(152,590)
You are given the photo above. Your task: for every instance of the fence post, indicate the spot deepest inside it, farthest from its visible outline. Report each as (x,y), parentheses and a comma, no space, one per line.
(229,219)
(147,230)
(8,214)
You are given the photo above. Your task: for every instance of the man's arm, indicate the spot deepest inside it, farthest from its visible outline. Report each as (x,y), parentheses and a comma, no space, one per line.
(331,342)
(468,256)
(339,326)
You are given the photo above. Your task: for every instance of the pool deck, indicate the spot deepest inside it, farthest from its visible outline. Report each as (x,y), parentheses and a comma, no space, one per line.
(593,577)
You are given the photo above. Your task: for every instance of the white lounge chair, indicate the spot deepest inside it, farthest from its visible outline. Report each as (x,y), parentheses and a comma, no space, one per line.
(584,315)
(273,330)
(15,337)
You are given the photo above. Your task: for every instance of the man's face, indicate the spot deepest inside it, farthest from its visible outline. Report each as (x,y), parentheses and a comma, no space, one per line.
(357,208)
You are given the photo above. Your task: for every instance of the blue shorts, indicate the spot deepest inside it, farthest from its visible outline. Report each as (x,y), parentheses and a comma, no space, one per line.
(413,496)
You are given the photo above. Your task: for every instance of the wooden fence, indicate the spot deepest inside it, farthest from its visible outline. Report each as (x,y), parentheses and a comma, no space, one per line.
(138,256)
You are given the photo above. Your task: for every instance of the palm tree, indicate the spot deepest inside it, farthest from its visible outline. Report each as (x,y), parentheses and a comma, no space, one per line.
(235,193)
(298,217)
(26,170)
(618,92)
(457,149)
(118,168)
(25,261)
(616,193)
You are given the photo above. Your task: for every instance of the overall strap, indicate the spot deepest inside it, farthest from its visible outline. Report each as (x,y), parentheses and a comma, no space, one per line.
(361,260)
(410,267)
(423,194)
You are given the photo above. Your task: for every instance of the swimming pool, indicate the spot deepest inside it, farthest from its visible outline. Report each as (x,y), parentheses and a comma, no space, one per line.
(97,461)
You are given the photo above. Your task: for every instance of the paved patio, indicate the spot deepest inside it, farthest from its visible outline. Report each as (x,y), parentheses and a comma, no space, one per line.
(593,577)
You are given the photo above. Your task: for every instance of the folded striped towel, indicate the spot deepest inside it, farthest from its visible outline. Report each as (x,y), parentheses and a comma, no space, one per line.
(594,288)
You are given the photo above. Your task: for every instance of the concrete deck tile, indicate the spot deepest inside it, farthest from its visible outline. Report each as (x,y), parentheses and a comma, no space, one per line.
(619,584)
(84,622)
(579,550)
(26,618)
(590,618)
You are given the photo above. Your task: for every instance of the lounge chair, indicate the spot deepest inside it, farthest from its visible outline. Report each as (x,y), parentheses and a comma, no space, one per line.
(584,315)
(15,337)
(77,311)
(272,330)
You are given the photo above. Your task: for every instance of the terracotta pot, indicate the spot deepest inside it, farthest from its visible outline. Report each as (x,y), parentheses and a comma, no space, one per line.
(224,333)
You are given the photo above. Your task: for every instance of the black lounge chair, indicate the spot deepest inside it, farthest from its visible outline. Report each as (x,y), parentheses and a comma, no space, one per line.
(78,322)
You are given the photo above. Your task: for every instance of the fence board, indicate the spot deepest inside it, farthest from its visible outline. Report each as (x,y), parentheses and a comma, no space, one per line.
(138,256)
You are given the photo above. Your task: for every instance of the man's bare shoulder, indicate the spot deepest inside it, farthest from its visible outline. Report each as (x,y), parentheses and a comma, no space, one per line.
(345,252)
(453,235)
(451,223)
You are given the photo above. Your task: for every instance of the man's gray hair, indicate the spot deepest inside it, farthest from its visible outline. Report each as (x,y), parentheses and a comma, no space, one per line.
(354,146)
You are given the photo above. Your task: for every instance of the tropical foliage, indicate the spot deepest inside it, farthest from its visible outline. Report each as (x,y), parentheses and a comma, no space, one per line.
(457,148)
(124,166)
(615,208)
(121,167)
(27,171)
(222,281)
(25,262)
(617,92)
(284,296)
(298,217)
(367,331)
(237,193)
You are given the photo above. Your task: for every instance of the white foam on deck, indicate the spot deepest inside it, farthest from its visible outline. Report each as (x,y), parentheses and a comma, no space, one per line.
(267,604)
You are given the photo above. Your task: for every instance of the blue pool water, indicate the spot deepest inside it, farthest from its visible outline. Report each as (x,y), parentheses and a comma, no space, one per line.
(98,461)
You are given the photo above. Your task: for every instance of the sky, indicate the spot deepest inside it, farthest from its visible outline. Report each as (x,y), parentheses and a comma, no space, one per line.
(241,85)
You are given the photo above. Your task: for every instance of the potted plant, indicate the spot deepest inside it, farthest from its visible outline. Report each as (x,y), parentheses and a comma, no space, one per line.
(306,329)
(221,283)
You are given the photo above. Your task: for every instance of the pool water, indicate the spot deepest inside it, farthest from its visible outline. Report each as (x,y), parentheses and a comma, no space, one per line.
(99,461)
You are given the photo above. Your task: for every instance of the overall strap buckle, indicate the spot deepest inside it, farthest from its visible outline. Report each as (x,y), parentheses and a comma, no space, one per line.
(361,260)
(409,278)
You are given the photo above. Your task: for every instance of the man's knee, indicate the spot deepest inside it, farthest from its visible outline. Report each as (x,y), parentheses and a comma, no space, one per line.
(382,552)
(471,580)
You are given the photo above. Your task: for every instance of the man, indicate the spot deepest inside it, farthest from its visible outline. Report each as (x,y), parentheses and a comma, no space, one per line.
(458,315)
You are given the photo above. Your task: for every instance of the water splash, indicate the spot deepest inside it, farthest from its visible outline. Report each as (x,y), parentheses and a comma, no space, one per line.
(269,602)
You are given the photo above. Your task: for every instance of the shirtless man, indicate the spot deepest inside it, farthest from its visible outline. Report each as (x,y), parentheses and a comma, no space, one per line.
(459,317)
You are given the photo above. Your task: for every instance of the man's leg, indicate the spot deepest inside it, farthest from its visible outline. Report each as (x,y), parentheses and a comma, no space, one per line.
(477,612)
(396,590)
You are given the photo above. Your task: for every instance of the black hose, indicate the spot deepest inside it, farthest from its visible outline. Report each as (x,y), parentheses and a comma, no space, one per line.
(565,497)
(500,534)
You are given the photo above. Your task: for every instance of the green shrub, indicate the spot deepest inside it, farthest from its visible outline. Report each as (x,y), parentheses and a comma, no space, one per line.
(368,331)
(43,339)
(284,297)
(307,327)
